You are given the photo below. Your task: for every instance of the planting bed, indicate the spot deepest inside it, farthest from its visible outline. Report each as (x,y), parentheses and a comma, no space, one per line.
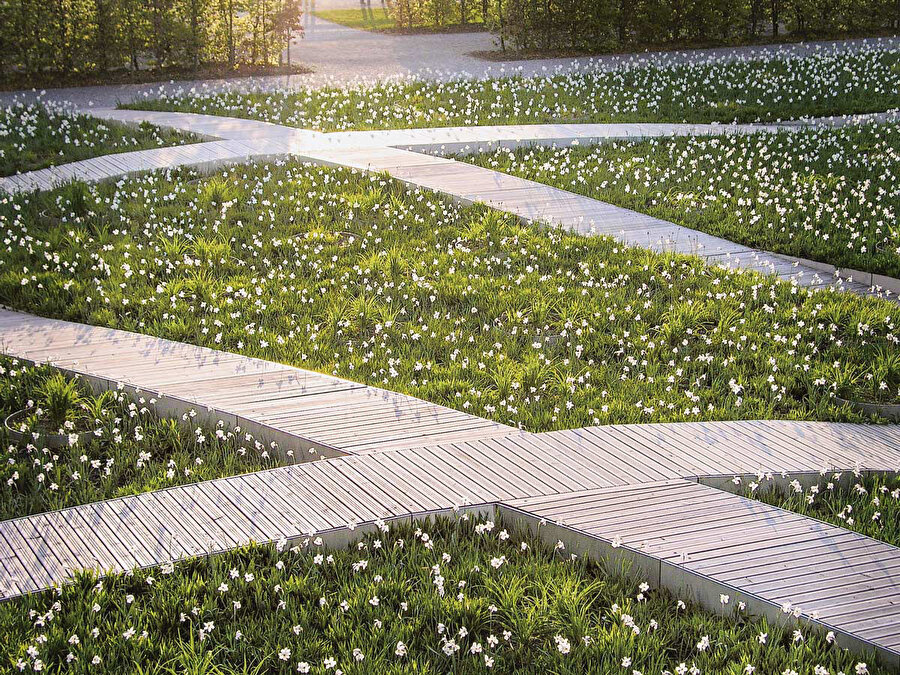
(825,194)
(699,88)
(458,595)
(351,275)
(114,445)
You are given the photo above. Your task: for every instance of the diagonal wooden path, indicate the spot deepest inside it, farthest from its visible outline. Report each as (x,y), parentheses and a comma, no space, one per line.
(314,415)
(393,456)
(401,155)
(775,561)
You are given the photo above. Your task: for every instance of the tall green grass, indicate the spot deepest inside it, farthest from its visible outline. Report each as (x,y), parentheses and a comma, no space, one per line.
(452,595)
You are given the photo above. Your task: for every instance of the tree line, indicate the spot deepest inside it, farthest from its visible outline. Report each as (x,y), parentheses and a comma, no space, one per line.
(67,37)
(609,25)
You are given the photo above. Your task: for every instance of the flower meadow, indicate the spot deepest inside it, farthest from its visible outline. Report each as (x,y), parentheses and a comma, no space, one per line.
(38,134)
(868,504)
(830,80)
(352,275)
(129,450)
(828,194)
(454,594)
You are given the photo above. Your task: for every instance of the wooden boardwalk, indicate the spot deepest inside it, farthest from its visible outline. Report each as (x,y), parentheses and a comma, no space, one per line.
(313,414)
(701,540)
(391,455)
(717,537)
(301,499)
(394,455)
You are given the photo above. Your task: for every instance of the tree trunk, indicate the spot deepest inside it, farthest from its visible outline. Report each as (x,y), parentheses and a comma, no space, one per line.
(101,35)
(625,13)
(775,18)
(195,34)
(231,55)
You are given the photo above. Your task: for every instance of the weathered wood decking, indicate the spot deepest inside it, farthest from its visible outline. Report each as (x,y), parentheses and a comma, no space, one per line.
(311,413)
(596,488)
(395,455)
(687,535)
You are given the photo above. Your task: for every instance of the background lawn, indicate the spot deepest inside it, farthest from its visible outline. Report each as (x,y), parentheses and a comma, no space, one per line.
(351,274)
(366,18)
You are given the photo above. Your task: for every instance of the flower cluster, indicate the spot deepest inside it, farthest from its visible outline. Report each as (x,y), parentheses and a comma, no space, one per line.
(700,87)
(829,194)
(350,274)
(38,133)
(126,449)
(868,504)
(300,607)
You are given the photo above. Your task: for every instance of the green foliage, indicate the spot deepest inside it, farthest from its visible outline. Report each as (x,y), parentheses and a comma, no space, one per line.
(349,274)
(459,595)
(130,449)
(824,194)
(867,504)
(60,398)
(412,14)
(607,25)
(82,36)
(41,134)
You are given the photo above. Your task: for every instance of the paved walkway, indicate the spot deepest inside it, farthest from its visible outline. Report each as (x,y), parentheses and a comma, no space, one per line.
(341,56)
(400,153)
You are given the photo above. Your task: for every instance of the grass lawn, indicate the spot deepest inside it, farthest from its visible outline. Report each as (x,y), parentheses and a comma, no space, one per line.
(39,135)
(131,450)
(451,595)
(869,505)
(696,88)
(365,18)
(350,274)
(831,195)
